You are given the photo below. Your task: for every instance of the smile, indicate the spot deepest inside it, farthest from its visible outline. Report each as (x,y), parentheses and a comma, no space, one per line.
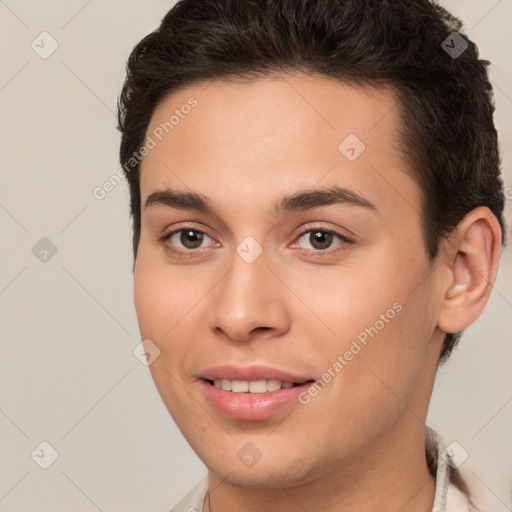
(253,386)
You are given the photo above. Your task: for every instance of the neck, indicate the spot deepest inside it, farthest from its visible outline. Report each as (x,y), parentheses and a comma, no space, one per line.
(389,476)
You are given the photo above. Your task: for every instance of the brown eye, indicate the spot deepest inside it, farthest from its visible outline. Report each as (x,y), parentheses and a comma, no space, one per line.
(191,239)
(187,238)
(320,239)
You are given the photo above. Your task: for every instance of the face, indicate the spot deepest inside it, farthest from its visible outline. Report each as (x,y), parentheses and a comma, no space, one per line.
(297,257)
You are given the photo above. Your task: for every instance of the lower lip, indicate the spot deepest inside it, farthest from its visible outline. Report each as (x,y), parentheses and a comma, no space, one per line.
(251,406)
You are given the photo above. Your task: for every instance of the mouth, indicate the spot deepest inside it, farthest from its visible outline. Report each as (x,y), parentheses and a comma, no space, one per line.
(254,386)
(252,393)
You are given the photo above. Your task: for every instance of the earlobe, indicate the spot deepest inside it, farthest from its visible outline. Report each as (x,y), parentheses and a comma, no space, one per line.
(472,268)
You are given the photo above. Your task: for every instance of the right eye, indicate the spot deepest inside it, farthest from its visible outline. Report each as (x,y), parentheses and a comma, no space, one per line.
(189,238)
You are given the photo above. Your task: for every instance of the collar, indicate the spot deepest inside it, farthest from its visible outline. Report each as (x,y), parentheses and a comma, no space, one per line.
(448,497)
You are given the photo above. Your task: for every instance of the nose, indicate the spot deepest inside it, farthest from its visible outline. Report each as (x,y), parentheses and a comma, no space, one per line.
(249,301)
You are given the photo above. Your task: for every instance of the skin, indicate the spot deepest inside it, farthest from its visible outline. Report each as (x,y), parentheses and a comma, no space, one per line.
(359,444)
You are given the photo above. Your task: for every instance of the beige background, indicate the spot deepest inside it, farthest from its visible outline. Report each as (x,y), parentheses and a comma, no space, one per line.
(68,326)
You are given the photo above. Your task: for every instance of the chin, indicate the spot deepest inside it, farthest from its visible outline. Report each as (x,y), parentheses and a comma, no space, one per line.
(274,473)
(260,479)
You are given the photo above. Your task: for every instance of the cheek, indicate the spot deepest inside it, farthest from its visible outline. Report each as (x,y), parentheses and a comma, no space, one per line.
(168,303)
(347,301)
(151,301)
(381,324)
(160,310)
(393,362)
(160,296)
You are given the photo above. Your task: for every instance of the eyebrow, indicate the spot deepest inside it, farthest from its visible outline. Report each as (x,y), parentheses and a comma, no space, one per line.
(302,200)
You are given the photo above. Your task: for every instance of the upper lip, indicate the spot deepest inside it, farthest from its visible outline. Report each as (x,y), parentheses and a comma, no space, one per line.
(250,373)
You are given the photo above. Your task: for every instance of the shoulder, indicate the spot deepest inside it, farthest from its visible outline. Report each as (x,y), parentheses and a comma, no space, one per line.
(193,501)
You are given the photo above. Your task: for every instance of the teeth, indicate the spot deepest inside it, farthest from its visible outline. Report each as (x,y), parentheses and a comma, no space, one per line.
(258,386)
(253,386)
(273,385)
(226,384)
(240,386)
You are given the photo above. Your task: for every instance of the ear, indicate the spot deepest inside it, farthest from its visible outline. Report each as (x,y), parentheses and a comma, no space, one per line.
(472,258)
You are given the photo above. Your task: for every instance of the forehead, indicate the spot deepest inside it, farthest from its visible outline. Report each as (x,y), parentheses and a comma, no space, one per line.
(259,139)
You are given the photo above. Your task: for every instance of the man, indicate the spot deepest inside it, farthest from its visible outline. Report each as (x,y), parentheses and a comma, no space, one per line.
(317,211)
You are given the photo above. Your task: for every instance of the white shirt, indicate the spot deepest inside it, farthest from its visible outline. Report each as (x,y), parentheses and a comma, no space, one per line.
(447,498)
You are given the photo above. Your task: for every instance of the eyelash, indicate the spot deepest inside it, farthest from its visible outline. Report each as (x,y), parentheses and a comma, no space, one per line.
(317,252)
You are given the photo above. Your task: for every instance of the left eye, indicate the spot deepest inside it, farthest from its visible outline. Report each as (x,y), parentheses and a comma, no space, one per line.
(321,239)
